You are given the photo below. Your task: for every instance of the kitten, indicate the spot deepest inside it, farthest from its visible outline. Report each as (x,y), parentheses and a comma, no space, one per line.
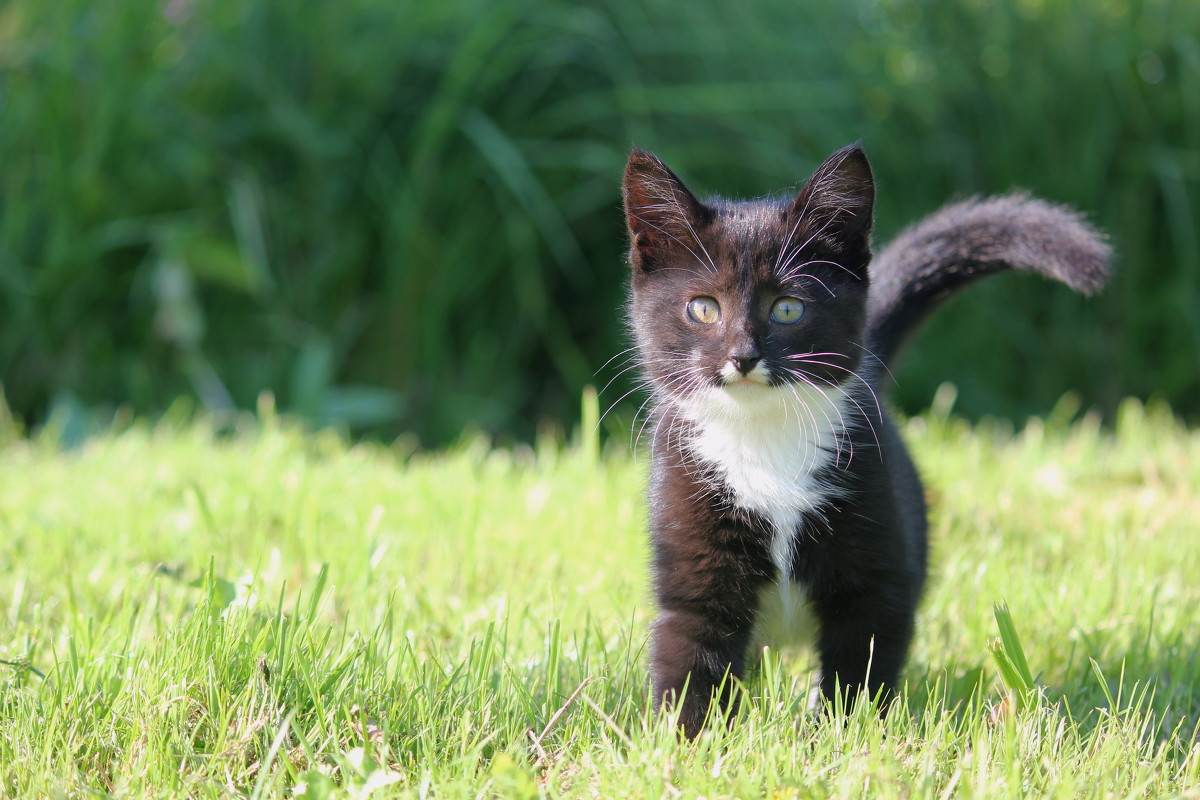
(764,337)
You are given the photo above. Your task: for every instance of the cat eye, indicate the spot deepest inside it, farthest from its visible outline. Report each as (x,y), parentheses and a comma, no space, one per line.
(704,309)
(787,310)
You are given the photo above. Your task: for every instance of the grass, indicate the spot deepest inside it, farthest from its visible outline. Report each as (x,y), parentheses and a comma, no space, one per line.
(260,611)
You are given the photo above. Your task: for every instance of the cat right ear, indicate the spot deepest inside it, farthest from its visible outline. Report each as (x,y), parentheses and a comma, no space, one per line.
(837,201)
(662,216)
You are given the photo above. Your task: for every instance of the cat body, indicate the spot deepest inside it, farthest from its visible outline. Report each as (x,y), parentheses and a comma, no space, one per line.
(764,331)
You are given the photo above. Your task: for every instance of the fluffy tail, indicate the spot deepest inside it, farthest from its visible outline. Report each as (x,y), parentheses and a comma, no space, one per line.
(964,241)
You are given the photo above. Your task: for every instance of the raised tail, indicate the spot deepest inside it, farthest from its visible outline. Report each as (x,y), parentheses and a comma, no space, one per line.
(963,241)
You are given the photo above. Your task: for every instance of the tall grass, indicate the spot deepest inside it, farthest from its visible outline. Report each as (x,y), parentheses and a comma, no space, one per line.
(404,216)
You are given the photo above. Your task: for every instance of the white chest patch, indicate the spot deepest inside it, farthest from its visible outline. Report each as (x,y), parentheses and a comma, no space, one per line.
(769,444)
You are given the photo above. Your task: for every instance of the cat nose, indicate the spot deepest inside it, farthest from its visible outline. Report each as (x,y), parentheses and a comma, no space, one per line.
(745,363)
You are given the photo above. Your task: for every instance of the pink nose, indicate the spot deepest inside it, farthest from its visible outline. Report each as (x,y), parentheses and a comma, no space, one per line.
(745,363)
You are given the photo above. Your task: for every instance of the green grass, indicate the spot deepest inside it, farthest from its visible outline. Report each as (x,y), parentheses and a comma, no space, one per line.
(186,612)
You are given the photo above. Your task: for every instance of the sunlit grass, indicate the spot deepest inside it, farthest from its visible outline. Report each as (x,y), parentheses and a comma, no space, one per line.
(264,611)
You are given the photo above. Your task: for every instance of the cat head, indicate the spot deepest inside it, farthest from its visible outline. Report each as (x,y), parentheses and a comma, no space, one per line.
(749,297)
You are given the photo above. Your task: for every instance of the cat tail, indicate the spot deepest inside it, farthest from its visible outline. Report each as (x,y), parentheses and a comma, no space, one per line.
(963,241)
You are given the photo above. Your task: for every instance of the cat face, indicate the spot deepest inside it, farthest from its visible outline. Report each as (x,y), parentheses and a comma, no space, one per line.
(749,297)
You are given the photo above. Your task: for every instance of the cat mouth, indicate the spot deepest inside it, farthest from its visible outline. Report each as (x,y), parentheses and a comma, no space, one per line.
(730,375)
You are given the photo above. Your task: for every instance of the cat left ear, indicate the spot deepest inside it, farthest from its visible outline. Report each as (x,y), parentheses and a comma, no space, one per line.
(837,202)
(662,215)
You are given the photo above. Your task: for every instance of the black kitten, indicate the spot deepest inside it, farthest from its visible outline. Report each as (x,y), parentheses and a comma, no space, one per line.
(764,334)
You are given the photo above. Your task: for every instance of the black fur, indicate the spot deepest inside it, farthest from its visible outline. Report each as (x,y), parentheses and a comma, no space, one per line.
(859,553)
(968,240)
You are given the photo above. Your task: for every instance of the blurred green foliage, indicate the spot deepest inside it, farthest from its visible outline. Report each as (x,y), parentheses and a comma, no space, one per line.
(405,215)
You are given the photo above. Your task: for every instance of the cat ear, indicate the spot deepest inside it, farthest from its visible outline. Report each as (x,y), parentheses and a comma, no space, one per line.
(661,214)
(837,202)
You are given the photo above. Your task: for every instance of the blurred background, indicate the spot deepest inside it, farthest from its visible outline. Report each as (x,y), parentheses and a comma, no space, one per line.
(404,216)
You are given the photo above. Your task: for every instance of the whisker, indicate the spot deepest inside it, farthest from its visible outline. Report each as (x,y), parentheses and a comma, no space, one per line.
(811,277)
(795,271)
(811,353)
(622,371)
(642,385)
(878,361)
(683,381)
(837,439)
(791,232)
(809,443)
(850,396)
(638,363)
(628,351)
(684,244)
(711,264)
(864,381)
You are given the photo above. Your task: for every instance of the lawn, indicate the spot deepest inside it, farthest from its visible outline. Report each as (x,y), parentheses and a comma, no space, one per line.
(257,610)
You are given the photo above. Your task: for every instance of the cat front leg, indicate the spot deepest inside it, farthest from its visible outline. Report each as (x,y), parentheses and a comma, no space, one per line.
(695,660)
(707,581)
(863,641)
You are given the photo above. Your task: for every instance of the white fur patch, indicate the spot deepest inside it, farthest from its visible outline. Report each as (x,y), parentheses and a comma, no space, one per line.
(784,620)
(767,443)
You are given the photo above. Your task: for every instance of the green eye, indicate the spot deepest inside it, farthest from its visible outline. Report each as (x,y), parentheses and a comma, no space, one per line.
(787,310)
(704,309)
